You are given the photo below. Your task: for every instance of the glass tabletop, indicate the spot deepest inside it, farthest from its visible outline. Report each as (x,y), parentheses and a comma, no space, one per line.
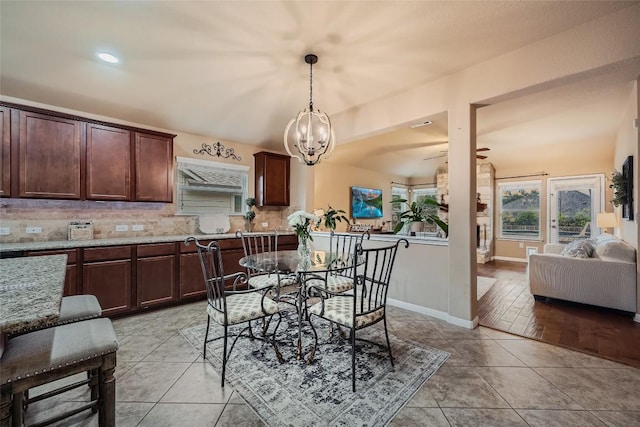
(291,262)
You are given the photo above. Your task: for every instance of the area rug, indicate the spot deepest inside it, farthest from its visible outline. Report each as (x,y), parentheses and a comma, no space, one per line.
(484,284)
(296,394)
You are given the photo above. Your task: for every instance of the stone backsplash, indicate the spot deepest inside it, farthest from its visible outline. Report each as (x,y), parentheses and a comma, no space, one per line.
(157,219)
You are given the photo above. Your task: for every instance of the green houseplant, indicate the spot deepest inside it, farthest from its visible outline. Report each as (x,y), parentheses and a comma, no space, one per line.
(249,215)
(417,212)
(330,216)
(619,185)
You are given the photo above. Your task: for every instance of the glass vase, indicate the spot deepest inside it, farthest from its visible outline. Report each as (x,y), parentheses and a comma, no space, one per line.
(304,248)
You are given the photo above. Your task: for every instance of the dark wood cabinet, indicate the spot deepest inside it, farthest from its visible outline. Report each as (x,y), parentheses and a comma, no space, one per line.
(155,274)
(191,278)
(5,151)
(71,277)
(232,251)
(108,163)
(106,273)
(272,175)
(153,168)
(50,159)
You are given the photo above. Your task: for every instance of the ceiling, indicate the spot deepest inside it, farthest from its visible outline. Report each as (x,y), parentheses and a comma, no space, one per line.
(235,70)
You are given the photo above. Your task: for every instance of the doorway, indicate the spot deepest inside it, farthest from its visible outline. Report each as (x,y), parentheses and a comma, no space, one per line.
(574,203)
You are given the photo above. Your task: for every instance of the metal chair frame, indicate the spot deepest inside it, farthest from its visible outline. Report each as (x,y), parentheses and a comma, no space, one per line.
(369,296)
(213,273)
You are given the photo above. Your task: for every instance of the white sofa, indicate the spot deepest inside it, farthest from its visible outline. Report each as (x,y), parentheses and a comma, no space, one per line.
(607,278)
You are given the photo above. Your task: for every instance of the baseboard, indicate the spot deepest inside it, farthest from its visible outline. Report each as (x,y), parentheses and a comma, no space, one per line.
(469,324)
(636,318)
(507,258)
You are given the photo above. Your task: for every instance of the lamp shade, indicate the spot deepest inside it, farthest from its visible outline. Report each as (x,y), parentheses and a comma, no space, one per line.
(606,220)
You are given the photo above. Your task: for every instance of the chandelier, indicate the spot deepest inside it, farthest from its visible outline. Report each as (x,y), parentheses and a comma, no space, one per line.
(309,137)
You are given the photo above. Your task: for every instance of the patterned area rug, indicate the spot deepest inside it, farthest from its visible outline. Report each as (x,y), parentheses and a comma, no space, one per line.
(296,394)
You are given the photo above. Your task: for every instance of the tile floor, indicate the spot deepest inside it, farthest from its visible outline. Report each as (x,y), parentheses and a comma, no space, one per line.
(491,379)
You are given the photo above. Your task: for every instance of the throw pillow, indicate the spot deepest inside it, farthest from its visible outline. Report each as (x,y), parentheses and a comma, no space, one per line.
(578,249)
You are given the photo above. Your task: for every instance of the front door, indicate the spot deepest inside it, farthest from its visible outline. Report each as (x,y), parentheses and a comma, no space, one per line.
(574,203)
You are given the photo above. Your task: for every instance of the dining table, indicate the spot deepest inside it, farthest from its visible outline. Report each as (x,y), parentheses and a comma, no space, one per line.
(290,263)
(31,291)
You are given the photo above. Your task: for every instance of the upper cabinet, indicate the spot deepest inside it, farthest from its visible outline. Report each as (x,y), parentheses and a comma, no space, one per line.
(46,154)
(108,163)
(5,151)
(272,174)
(154,168)
(50,156)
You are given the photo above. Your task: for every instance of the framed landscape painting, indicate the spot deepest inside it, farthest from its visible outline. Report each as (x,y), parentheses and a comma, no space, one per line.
(366,203)
(627,173)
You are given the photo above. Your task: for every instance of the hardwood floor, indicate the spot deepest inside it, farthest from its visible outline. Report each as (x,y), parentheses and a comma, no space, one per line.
(508,306)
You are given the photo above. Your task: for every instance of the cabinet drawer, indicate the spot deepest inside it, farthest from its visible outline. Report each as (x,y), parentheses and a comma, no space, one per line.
(107,253)
(230,244)
(72,254)
(155,249)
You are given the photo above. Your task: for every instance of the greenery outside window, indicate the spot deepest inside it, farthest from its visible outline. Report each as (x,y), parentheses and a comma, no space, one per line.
(210,187)
(398,193)
(421,194)
(519,204)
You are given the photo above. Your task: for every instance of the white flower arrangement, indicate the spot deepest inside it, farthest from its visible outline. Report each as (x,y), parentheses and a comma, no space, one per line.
(301,221)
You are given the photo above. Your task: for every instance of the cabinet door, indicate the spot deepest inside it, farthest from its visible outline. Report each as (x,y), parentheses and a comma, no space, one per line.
(272,179)
(155,280)
(191,278)
(5,151)
(153,168)
(108,163)
(71,280)
(110,282)
(49,156)
(231,263)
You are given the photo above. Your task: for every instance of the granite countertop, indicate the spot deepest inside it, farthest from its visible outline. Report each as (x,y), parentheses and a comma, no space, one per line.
(31,291)
(71,244)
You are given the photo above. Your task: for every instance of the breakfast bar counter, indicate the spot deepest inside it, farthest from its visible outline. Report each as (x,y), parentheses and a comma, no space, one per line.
(30,291)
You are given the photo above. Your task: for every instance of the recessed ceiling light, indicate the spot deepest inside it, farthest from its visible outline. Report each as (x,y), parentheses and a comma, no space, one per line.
(107,57)
(417,125)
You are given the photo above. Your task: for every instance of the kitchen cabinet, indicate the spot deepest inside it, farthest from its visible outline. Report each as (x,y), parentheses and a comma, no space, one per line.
(5,151)
(108,174)
(50,156)
(153,168)
(191,278)
(107,274)
(155,274)
(272,175)
(71,278)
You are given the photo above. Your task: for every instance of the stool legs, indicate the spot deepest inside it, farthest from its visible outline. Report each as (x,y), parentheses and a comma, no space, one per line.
(107,386)
(6,400)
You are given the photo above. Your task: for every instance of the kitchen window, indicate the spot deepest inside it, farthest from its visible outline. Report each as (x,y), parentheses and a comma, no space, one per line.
(519,204)
(210,187)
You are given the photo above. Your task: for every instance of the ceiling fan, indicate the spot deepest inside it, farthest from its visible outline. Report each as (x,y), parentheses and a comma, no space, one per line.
(446,153)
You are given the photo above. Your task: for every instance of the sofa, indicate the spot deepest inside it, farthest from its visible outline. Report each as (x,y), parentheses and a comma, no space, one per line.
(599,271)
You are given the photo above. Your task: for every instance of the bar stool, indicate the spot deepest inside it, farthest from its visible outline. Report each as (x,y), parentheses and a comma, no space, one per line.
(47,355)
(73,308)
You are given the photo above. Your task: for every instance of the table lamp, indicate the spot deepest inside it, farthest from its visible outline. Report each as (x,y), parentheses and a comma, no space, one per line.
(606,220)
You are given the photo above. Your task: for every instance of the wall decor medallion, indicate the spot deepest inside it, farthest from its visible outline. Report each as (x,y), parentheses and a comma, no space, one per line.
(217,150)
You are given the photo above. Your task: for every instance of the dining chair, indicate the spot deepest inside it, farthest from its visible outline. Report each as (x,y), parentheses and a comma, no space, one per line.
(341,246)
(365,304)
(255,243)
(232,307)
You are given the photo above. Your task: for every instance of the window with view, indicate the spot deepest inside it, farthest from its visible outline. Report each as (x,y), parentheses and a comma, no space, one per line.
(419,195)
(397,193)
(210,187)
(519,204)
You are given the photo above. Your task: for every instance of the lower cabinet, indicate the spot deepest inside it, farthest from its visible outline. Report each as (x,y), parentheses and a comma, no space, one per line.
(155,274)
(106,273)
(71,278)
(191,278)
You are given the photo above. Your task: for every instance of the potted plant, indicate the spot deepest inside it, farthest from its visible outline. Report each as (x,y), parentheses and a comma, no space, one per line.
(249,215)
(330,216)
(619,185)
(417,214)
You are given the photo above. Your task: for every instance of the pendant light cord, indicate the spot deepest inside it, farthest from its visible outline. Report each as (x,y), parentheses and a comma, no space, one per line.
(311,86)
